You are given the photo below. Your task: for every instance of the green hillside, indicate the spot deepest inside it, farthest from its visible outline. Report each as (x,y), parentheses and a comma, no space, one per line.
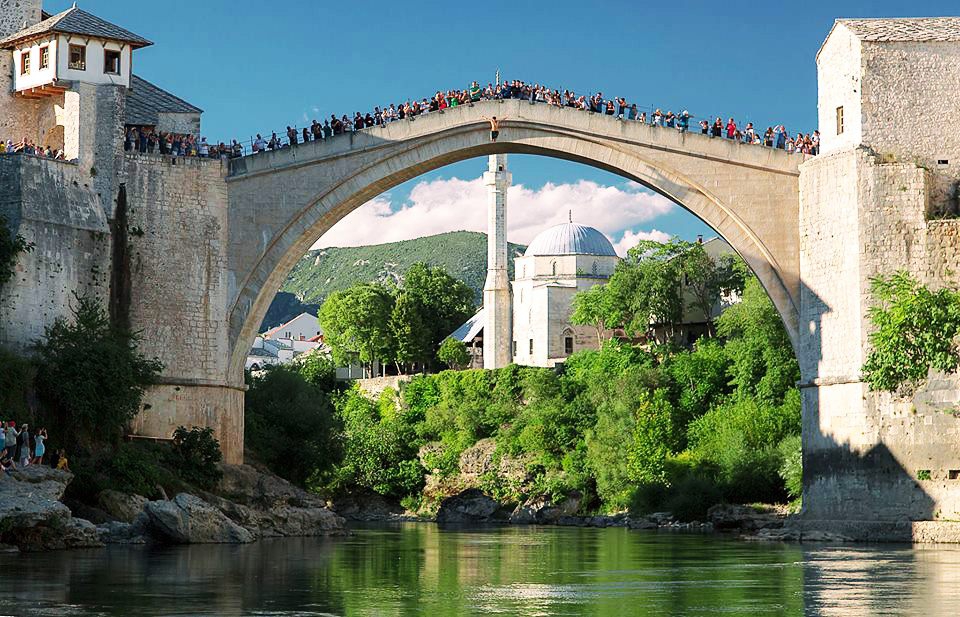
(463,254)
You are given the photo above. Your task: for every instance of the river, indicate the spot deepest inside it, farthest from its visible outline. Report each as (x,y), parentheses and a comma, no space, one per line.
(418,569)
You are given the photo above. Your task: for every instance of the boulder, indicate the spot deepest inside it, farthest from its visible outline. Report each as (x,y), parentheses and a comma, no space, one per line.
(31,497)
(743,518)
(540,510)
(366,506)
(117,532)
(187,519)
(269,506)
(123,507)
(72,533)
(471,506)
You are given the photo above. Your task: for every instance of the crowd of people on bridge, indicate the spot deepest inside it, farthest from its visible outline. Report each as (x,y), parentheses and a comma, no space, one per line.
(25,146)
(20,447)
(618,107)
(148,141)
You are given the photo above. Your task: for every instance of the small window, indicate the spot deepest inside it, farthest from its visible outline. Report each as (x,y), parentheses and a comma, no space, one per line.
(514,348)
(568,345)
(596,268)
(840,120)
(78,58)
(954,474)
(25,63)
(553,268)
(531,347)
(44,57)
(111,62)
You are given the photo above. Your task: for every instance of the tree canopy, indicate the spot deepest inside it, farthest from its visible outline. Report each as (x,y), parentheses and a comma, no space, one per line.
(370,321)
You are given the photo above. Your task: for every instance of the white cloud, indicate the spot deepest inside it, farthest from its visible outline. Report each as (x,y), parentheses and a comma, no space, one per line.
(442,205)
(631,238)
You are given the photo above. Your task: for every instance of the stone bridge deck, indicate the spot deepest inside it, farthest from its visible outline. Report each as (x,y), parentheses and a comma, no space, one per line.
(280,202)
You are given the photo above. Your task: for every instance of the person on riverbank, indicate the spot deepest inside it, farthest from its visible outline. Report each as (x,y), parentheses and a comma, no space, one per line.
(39,449)
(6,461)
(11,435)
(22,455)
(62,463)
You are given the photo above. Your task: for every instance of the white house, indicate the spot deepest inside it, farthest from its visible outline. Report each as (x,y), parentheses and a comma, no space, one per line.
(303,327)
(285,342)
(72,46)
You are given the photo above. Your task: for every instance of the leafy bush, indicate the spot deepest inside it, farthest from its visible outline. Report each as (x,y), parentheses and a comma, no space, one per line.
(128,470)
(319,370)
(791,469)
(379,452)
(91,375)
(17,376)
(196,456)
(453,353)
(290,426)
(914,330)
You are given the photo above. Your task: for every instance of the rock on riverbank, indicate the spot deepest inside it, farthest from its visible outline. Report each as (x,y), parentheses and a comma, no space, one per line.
(246,505)
(32,517)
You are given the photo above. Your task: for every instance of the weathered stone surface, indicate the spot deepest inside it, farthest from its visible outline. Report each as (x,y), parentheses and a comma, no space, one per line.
(117,532)
(270,506)
(121,506)
(187,519)
(471,506)
(539,510)
(366,506)
(31,497)
(742,518)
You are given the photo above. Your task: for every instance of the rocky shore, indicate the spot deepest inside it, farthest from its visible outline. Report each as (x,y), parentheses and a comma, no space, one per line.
(246,505)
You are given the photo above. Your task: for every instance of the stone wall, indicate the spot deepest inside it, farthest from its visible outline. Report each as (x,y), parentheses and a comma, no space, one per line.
(873,462)
(18,117)
(51,205)
(177,212)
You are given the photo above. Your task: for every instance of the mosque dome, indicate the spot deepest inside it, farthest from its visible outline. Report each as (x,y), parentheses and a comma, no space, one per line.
(570,239)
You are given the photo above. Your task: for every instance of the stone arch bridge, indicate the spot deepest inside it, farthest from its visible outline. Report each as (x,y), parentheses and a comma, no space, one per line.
(280,202)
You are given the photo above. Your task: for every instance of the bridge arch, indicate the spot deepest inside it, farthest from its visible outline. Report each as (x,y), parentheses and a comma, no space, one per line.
(281,202)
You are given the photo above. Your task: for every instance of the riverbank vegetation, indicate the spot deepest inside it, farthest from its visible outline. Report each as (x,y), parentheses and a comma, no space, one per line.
(84,384)
(635,424)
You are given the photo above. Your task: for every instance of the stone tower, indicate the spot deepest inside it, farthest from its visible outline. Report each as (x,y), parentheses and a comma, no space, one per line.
(496,291)
(881,197)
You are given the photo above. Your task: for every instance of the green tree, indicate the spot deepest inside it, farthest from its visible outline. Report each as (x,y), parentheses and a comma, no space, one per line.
(289,425)
(356,324)
(763,364)
(454,353)
(318,369)
(440,304)
(91,374)
(596,307)
(646,287)
(411,334)
(706,279)
(914,330)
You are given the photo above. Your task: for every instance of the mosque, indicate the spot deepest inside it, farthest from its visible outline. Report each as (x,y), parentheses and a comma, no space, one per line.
(527,320)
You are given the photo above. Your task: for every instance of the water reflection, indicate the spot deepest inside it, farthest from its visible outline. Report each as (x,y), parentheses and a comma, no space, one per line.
(419,569)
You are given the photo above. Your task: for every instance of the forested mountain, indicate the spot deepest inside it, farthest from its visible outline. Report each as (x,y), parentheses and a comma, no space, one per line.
(463,254)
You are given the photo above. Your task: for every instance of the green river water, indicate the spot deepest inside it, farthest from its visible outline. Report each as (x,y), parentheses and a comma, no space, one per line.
(419,569)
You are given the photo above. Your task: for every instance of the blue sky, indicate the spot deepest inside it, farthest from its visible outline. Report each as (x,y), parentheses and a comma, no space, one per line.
(255,66)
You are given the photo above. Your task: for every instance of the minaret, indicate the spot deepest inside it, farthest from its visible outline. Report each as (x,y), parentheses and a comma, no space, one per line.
(497,331)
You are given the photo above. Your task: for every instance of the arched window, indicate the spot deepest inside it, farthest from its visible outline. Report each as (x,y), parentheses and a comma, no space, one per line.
(567,341)
(523,272)
(553,268)
(596,268)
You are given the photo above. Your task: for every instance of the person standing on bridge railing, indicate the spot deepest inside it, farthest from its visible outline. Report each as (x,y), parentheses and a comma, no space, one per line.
(683,123)
(291,135)
(494,126)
